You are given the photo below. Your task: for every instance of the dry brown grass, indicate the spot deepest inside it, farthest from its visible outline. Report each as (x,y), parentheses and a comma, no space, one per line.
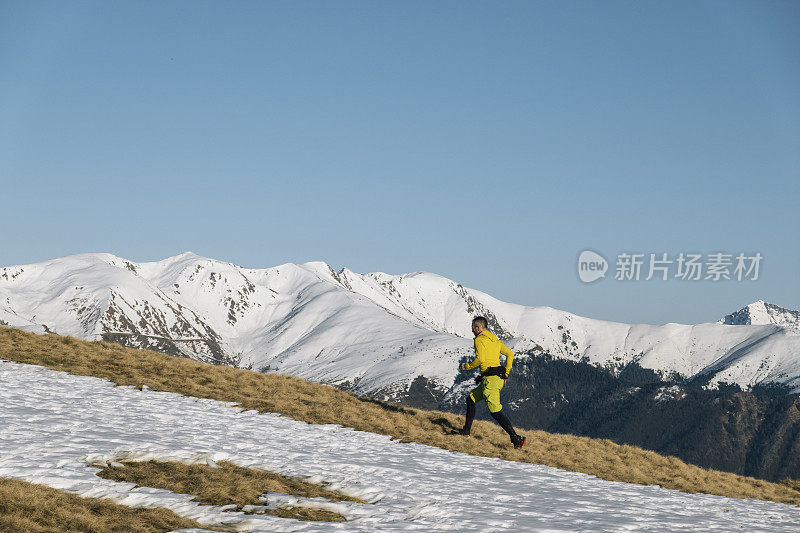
(228,485)
(322,404)
(792,483)
(31,508)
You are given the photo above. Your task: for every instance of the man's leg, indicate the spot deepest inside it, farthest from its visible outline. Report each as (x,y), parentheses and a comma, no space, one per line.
(470,415)
(516,440)
(505,423)
(493,402)
(476,394)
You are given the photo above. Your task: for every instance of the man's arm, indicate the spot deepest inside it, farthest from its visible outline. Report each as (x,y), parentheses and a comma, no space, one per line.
(479,348)
(468,366)
(509,356)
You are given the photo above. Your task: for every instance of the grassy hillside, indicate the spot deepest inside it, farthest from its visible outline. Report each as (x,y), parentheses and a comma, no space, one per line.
(322,404)
(35,508)
(227,484)
(751,433)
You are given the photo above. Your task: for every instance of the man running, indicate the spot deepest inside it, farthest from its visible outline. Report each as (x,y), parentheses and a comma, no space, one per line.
(493,376)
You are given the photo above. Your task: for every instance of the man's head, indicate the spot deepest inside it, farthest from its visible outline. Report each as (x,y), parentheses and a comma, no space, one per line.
(479,324)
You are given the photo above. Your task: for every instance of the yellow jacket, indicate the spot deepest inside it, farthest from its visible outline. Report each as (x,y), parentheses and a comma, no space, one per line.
(487,352)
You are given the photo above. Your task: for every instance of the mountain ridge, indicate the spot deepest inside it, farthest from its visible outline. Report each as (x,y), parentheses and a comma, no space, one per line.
(373,332)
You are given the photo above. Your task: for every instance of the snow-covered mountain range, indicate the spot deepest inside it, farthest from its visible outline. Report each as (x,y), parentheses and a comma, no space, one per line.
(372,332)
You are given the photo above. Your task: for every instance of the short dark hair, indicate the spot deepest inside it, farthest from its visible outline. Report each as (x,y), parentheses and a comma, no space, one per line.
(481,321)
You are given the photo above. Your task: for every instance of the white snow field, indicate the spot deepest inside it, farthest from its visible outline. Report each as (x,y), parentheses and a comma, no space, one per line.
(52,424)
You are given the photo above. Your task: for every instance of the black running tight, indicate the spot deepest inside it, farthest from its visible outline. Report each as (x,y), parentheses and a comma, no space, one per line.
(499,416)
(505,422)
(470,414)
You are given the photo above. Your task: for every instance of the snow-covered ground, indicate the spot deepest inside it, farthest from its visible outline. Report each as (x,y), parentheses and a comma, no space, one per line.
(52,424)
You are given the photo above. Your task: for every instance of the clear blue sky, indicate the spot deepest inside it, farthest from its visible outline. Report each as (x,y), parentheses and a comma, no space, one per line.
(487,142)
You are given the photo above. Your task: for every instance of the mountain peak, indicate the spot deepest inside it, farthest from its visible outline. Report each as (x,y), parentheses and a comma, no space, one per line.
(183,256)
(761,313)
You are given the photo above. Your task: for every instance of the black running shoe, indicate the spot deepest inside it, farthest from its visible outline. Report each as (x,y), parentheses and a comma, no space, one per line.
(518,441)
(462,432)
